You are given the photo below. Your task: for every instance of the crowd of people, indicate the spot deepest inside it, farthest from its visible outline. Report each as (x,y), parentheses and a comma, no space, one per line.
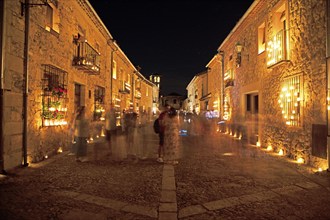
(134,130)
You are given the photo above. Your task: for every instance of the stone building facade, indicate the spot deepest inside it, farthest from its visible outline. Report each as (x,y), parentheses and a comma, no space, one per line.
(57,56)
(197,93)
(273,89)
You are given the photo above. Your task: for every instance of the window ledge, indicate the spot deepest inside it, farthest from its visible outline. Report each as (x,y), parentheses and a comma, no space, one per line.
(278,64)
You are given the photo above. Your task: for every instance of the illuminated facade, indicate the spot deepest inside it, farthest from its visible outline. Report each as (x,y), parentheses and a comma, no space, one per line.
(71,61)
(273,87)
(197,93)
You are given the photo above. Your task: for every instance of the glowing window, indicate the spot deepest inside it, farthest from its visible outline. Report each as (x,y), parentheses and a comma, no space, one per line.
(114,70)
(261,38)
(52,17)
(290,100)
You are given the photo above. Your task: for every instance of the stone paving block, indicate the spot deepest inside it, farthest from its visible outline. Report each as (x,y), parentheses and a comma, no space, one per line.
(69,194)
(261,196)
(287,190)
(114,204)
(308,185)
(141,210)
(168,167)
(220,204)
(168,183)
(81,215)
(167,216)
(168,207)
(168,196)
(246,199)
(168,173)
(82,197)
(191,210)
(108,203)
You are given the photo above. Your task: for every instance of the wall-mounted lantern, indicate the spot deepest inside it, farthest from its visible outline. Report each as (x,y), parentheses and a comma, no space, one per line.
(238,48)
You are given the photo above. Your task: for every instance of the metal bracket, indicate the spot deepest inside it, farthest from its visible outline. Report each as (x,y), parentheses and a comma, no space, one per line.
(23,5)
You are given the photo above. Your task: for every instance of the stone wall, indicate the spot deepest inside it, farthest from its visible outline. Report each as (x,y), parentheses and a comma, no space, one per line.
(307,42)
(56,49)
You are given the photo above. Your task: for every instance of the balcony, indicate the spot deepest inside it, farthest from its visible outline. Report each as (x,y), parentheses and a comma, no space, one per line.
(125,87)
(86,58)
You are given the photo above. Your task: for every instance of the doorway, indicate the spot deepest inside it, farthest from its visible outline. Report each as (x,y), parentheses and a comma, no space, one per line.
(252,117)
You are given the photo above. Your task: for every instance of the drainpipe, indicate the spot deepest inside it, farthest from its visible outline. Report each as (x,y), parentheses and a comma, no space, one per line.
(222,54)
(2,87)
(26,83)
(328,77)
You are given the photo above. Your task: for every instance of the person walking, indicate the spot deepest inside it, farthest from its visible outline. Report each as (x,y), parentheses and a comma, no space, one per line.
(81,134)
(171,138)
(161,133)
(111,128)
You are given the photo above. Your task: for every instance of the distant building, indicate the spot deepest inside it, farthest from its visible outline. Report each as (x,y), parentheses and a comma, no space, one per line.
(175,100)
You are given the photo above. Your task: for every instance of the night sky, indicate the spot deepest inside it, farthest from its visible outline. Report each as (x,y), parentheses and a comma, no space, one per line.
(173,38)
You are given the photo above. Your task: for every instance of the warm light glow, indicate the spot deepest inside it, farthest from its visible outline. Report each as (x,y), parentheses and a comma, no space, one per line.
(289,101)
(269,148)
(60,150)
(300,160)
(228,154)
(281,152)
(258,144)
(46,156)
(320,169)
(49,122)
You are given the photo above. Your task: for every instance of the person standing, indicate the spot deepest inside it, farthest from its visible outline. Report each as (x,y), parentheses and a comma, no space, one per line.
(81,134)
(171,138)
(142,136)
(111,127)
(130,122)
(161,133)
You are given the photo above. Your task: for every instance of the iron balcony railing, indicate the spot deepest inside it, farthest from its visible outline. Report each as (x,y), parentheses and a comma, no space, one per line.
(86,58)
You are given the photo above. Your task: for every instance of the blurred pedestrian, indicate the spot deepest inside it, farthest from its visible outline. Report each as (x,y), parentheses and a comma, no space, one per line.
(161,133)
(71,130)
(142,135)
(81,134)
(130,124)
(171,138)
(111,127)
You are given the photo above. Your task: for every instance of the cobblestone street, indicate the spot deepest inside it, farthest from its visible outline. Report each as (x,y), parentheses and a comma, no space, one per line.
(217,178)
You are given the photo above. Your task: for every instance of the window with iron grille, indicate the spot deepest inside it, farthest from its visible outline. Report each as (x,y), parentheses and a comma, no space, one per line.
(54,93)
(290,100)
